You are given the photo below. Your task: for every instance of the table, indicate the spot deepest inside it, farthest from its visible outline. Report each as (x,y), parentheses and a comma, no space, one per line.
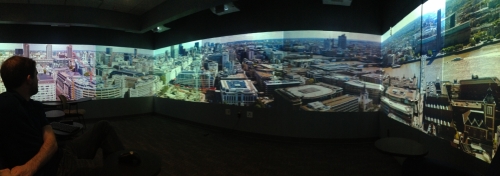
(401,147)
(65,134)
(81,100)
(150,164)
(52,103)
(53,115)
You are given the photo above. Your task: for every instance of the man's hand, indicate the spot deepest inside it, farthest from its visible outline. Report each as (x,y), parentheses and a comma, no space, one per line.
(5,172)
(49,147)
(22,171)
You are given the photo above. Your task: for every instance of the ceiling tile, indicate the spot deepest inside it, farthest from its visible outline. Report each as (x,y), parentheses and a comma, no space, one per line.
(138,10)
(119,5)
(47,2)
(145,6)
(86,3)
(149,4)
(137,7)
(13,1)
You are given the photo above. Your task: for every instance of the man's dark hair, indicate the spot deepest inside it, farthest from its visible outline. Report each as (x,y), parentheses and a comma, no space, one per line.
(14,71)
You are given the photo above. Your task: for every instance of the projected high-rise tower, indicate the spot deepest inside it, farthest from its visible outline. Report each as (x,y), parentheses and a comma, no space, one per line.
(342,41)
(26,50)
(49,51)
(69,51)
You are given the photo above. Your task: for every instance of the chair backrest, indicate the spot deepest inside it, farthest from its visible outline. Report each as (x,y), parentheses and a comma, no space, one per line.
(466,136)
(64,101)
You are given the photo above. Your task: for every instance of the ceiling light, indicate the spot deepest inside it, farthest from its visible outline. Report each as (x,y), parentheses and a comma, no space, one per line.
(224,9)
(160,29)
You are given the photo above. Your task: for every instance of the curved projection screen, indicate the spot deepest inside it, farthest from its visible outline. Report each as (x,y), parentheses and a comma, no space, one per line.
(452,48)
(297,70)
(79,71)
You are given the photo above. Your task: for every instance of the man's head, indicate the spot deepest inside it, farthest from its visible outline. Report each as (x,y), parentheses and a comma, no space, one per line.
(19,72)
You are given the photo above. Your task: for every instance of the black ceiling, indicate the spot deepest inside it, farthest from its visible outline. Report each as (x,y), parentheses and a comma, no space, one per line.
(363,16)
(190,20)
(136,7)
(126,15)
(143,15)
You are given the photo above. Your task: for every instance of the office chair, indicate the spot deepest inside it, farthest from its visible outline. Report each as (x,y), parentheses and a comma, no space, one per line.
(70,112)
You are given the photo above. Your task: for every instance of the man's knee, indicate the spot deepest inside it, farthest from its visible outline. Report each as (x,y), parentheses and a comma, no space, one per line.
(102,126)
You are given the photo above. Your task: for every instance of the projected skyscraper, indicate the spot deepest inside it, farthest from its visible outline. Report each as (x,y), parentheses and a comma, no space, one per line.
(328,44)
(49,51)
(172,52)
(181,50)
(342,41)
(225,61)
(26,50)
(69,51)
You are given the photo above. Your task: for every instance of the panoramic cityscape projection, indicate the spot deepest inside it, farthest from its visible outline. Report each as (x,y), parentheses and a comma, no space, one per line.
(298,70)
(62,69)
(401,56)
(460,87)
(81,71)
(125,72)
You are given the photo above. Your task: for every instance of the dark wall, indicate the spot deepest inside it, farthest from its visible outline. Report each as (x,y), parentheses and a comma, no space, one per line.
(117,107)
(363,16)
(297,124)
(45,34)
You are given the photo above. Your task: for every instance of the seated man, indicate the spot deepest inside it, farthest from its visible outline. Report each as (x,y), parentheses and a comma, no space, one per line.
(27,142)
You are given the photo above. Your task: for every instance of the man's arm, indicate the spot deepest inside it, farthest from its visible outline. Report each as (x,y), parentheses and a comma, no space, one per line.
(48,149)
(5,172)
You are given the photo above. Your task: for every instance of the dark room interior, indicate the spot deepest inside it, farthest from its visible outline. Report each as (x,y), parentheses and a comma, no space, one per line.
(214,139)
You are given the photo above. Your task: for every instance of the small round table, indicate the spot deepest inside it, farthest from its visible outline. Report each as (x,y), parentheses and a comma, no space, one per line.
(66,134)
(401,147)
(53,115)
(52,103)
(150,164)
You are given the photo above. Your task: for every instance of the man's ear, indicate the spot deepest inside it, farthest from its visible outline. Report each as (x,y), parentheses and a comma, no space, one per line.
(28,79)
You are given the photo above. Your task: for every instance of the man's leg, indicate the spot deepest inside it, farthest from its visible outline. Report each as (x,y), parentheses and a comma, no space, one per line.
(102,135)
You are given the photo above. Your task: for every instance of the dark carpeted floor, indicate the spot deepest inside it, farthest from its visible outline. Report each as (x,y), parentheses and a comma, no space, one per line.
(191,149)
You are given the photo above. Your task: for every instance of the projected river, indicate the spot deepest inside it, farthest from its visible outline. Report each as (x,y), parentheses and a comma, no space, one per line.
(483,62)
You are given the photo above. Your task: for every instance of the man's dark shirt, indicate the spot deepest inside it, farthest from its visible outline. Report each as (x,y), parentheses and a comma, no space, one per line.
(21,129)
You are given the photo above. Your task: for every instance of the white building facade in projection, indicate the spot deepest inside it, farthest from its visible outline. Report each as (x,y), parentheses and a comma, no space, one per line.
(108,92)
(65,83)
(144,86)
(2,87)
(238,92)
(46,89)
(84,88)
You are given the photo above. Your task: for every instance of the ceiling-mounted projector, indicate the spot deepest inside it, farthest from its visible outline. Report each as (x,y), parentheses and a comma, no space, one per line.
(160,29)
(224,9)
(338,2)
